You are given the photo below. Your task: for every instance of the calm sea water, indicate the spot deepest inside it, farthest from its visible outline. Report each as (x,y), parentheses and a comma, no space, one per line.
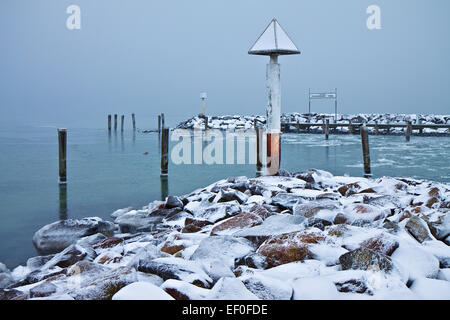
(108,172)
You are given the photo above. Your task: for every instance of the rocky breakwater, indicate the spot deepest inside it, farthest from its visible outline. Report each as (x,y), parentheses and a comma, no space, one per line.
(236,123)
(305,235)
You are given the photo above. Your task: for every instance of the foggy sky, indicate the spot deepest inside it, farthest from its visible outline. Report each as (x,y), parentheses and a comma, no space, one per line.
(147,57)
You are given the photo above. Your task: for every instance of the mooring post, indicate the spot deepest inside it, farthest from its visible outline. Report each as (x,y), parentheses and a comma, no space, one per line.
(350,127)
(133,120)
(298,126)
(164,187)
(115,122)
(62,152)
(259,151)
(408,131)
(165,152)
(327,126)
(63,201)
(377,130)
(122,119)
(420,128)
(109,122)
(163,124)
(159,124)
(206,123)
(365,150)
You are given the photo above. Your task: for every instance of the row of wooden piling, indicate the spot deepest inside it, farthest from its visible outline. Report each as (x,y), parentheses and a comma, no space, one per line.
(163,133)
(122,122)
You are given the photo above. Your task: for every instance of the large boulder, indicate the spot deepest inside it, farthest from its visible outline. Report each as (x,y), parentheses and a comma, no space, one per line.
(176,268)
(182,290)
(6,278)
(266,288)
(241,221)
(287,200)
(418,229)
(218,254)
(365,259)
(230,289)
(217,211)
(141,221)
(95,282)
(431,289)
(141,291)
(290,247)
(57,236)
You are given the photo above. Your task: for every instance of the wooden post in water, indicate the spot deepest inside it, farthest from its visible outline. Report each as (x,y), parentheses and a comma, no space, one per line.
(298,126)
(365,150)
(259,151)
(122,119)
(62,152)
(159,124)
(350,127)
(377,130)
(63,201)
(165,152)
(163,124)
(408,131)
(327,128)
(109,122)
(133,120)
(115,122)
(420,129)
(206,123)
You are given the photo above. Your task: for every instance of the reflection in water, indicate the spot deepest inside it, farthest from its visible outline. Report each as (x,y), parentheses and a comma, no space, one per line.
(122,144)
(164,187)
(63,201)
(109,141)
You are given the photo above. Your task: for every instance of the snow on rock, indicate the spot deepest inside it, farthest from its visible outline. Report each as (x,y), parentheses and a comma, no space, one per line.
(314,288)
(266,288)
(57,236)
(290,247)
(176,268)
(431,289)
(230,289)
(6,278)
(301,235)
(141,291)
(182,290)
(218,254)
(418,262)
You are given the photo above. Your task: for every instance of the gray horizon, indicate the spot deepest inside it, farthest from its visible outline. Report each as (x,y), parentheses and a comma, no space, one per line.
(148,57)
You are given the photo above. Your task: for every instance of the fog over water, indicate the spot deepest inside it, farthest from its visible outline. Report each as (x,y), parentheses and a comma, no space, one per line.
(149,57)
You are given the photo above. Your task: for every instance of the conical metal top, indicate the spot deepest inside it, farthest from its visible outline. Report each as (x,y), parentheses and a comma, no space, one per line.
(273,41)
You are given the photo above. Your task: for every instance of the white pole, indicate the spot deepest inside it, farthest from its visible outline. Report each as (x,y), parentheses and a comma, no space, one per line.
(273,116)
(274,91)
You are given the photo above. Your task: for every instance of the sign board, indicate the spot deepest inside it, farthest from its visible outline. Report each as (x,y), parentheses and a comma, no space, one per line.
(325,95)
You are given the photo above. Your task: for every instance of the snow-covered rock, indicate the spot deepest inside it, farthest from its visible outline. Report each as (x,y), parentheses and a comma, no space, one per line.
(57,236)
(141,291)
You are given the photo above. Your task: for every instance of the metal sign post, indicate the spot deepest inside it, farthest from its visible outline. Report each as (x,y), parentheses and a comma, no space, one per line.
(324,95)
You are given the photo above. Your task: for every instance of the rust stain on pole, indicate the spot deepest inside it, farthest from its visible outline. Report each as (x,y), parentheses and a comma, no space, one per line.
(273,153)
